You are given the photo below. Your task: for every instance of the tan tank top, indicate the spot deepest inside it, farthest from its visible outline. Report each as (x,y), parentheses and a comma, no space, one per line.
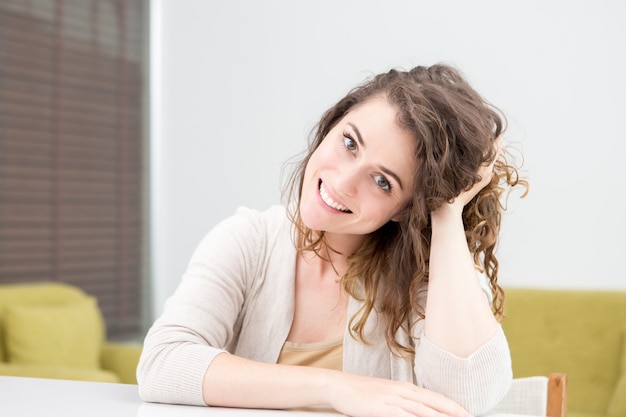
(327,354)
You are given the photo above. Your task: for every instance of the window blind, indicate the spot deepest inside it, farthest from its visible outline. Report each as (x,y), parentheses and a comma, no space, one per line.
(71,149)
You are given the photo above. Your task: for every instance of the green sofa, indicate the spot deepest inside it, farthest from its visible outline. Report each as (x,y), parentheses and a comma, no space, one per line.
(577,332)
(55,330)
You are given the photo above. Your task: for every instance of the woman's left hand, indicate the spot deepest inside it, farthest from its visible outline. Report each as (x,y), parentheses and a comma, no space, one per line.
(455,208)
(486,173)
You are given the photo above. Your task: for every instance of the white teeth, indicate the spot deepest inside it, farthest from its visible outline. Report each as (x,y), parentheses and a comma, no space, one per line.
(330,202)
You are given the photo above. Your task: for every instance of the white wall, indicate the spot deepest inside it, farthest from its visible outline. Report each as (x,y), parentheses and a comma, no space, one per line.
(237,86)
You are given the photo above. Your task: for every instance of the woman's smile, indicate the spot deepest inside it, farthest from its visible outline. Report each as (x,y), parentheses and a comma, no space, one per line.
(330,201)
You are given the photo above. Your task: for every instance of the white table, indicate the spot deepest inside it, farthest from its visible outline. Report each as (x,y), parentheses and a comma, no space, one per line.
(34,397)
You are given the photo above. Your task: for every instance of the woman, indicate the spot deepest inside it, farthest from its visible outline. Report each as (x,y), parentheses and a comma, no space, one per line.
(368,274)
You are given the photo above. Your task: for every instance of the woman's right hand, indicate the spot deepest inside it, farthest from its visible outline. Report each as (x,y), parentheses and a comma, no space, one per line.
(362,396)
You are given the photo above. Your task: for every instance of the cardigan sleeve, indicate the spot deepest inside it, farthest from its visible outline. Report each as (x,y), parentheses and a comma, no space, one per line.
(199,319)
(477,382)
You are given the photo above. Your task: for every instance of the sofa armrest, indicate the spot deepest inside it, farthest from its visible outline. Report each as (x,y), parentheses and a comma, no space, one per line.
(121,359)
(57,372)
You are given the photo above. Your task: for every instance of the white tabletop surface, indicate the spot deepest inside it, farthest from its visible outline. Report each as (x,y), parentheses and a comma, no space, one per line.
(34,397)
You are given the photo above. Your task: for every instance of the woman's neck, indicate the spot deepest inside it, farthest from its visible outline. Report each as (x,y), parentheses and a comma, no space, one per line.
(340,245)
(332,256)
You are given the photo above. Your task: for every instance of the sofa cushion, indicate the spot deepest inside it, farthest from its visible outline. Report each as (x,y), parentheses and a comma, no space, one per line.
(617,405)
(34,293)
(68,335)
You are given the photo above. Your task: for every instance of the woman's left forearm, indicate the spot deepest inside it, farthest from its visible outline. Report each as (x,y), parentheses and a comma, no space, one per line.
(459,318)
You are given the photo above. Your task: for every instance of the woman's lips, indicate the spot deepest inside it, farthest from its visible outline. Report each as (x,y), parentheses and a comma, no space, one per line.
(328,200)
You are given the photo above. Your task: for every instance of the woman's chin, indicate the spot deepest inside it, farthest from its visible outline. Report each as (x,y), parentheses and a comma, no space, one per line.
(310,222)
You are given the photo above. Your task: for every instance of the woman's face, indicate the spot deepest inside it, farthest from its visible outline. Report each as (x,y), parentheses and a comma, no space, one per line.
(361,175)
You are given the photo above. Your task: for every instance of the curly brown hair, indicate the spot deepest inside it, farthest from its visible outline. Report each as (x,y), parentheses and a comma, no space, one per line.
(455,131)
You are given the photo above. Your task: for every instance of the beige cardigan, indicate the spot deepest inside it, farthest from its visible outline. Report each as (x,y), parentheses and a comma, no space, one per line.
(238,294)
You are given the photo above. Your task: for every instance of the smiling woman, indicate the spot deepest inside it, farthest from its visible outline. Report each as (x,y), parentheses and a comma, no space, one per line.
(361,292)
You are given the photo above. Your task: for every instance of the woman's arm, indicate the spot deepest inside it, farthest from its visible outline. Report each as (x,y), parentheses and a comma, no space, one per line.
(463,352)
(459,318)
(199,319)
(233,381)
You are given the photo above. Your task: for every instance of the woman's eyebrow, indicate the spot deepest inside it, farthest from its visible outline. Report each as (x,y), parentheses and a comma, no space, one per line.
(359,138)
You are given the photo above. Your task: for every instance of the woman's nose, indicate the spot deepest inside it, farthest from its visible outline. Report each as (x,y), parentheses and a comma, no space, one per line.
(348,181)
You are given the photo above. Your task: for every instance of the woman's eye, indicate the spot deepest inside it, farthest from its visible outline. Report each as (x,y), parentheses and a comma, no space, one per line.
(382,182)
(349,143)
